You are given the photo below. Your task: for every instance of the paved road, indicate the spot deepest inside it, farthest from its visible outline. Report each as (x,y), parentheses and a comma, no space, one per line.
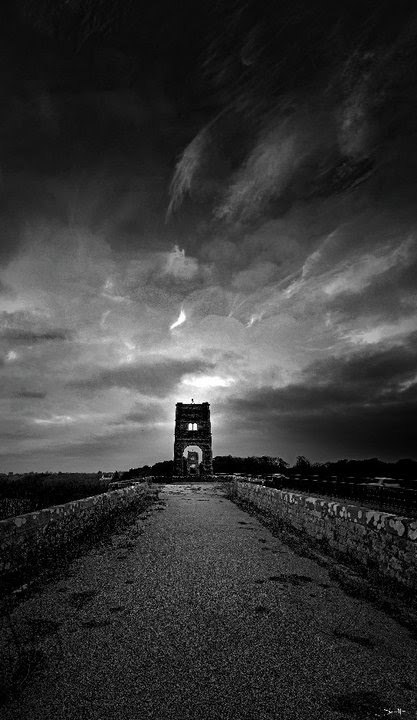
(198,612)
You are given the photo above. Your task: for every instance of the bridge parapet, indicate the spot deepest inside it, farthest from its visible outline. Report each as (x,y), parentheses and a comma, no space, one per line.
(372,538)
(32,538)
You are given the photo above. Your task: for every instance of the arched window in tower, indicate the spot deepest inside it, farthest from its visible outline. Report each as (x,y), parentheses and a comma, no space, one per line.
(190,426)
(194,426)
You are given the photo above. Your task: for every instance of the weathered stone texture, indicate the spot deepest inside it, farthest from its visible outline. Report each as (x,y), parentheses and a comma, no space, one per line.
(370,537)
(26,538)
(193,427)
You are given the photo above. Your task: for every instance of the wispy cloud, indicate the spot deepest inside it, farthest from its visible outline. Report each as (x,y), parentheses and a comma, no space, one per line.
(280,286)
(28,337)
(154,377)
(180,320)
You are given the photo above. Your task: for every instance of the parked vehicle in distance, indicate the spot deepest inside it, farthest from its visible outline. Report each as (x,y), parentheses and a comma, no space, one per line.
(383,482)
(274,480)
(106,476)
(256,479)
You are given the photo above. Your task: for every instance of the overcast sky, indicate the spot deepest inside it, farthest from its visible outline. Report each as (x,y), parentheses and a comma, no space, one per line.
(214,203)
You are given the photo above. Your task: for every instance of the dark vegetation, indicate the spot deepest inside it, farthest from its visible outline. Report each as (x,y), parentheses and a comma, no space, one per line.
(404,469)
(27,493)
(250,465)
(164,469)
(221,464)
(385,486)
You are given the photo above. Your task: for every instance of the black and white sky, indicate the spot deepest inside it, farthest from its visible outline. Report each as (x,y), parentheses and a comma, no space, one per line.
(213,201)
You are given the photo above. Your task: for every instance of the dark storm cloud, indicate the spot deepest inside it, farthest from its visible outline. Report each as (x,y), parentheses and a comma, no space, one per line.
(146,415)
(156,378)
(104,448)
(383,298)
(291,103)
(28,337)
(316,105)
(89,121)
(106,169)
(369,376)
(95,443)
(31,394)
(288,132)
(142,414)
(19,429)
(369,370)
(342,405)
(385,430)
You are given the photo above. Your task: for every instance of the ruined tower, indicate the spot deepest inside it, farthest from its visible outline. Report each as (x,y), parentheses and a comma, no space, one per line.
(193,427)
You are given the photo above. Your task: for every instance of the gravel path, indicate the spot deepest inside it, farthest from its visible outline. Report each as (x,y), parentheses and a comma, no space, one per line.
(198,612)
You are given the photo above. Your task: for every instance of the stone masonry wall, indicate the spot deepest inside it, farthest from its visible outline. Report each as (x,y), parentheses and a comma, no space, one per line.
(374,539)
(27,538)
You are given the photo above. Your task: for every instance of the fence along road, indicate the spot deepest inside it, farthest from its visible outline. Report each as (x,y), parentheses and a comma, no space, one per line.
(198,612)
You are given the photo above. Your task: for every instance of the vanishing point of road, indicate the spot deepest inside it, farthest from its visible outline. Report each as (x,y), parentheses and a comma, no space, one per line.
(198,612)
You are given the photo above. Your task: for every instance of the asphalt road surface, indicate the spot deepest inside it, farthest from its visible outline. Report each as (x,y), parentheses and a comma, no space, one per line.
(198,612)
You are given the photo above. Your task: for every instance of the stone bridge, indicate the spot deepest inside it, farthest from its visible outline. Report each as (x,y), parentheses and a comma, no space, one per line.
(201,610)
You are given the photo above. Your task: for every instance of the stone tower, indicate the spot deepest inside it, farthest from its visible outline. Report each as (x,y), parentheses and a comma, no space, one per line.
(193,427)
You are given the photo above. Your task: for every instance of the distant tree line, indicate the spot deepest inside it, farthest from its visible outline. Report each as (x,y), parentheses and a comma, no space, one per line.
(263,465)
(42,490)
(405,468)
(165,468)
(221,464)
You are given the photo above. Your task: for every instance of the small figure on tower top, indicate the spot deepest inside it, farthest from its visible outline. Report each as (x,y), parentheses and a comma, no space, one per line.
(192,401)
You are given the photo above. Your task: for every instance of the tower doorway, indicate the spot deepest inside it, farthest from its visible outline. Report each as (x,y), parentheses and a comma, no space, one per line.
(192,458)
